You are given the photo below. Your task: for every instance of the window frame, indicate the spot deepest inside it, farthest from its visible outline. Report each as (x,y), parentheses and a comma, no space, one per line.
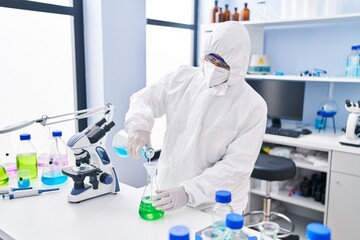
(76,11)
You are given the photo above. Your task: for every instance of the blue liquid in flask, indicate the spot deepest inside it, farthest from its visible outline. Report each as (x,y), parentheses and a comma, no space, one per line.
(53,178)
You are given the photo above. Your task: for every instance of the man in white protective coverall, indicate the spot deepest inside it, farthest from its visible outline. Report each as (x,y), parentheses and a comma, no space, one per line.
(215,124)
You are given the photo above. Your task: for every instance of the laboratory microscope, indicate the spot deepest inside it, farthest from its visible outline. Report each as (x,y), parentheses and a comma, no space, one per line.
(92,161)
(352,131)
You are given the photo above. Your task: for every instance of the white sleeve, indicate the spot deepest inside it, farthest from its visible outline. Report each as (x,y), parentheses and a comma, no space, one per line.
(146,105)
(234,169)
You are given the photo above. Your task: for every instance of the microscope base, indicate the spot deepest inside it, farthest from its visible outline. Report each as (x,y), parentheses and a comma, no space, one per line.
(345,141)
(89,193)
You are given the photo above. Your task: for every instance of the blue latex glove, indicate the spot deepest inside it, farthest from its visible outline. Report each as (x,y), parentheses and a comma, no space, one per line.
(170,199)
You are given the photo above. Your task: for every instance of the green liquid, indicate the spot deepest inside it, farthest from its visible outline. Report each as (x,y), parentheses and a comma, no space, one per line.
(147,211)
(3,176)
(27,161)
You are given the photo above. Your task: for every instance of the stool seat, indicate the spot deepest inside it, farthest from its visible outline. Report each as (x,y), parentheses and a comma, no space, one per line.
(273,168)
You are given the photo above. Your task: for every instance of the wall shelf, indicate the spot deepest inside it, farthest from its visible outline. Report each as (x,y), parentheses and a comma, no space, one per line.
(299,21)
(283,196)
(303,79)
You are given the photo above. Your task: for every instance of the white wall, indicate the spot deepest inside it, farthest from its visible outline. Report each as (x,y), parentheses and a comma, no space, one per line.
(115,67)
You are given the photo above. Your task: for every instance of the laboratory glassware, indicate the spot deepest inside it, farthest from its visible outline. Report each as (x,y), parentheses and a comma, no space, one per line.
(236,15)
(23,178)
(26,157)
(4,178)
(317,231)
(269,230)
(52,173)
(7,155)
(119,144)
(179,233)
(219,16)
(43,149)
(221,209)
(214,11)
(227,13)
(234,224)
(146,209)
(245,13)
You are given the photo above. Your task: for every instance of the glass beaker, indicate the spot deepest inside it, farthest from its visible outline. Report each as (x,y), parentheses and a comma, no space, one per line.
(23,178)
(119,144)
(4,178)
(269,230)
(146,209)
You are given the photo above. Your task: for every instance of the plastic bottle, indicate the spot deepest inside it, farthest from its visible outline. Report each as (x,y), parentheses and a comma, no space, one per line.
(120,144)
(236,15)
(58,158)
(221,209)
(351,62)
(317,231)
(214,11)
(179,233)
(227,13)
(245,13)
(357,62)
(234,224)
(26,157)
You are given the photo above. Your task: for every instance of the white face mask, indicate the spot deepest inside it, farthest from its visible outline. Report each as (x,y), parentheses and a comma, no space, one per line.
(215,75)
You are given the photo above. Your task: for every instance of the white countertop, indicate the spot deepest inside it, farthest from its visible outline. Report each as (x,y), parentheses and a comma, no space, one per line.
(112,216)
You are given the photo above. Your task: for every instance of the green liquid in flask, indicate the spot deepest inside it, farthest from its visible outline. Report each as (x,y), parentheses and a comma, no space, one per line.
(28,161)
(4,179)
(147,211)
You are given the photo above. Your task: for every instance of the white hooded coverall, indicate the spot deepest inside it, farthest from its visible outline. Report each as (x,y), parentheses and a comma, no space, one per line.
(213,135)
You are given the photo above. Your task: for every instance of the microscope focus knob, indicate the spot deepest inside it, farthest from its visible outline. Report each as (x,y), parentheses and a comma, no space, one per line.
(348,103)
(106,178)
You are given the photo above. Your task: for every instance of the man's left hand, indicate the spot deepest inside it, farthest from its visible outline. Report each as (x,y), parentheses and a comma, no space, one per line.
(170,199)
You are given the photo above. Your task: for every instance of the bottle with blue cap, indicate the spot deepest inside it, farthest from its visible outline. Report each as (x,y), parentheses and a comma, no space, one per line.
(221,209)
(26,155)
(58,158)
(317,231)
(179,233)
(234,223)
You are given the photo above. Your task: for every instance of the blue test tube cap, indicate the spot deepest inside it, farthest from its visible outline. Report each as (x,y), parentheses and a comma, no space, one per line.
(25,136)
(223,196)
(234,221)
(179,233)
(57,133)
(317,231)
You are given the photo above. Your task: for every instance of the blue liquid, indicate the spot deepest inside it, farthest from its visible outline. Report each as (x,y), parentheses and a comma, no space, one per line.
(53,178)
(24,183)
(122,152)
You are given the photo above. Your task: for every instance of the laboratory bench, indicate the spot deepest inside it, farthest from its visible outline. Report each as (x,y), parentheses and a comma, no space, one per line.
(111,216)
(340,210)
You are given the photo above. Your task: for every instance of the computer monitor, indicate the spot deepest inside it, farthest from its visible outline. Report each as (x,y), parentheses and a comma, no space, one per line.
(285,99)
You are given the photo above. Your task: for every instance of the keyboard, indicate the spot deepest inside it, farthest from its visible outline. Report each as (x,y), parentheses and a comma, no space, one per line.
(283,132)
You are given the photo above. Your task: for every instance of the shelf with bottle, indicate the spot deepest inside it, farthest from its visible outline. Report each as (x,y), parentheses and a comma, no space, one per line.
(303,78)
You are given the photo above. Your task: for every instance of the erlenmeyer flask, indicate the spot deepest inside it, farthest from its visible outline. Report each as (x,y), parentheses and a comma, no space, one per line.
(146,209)
(4,178)
(120,143)
(52,173)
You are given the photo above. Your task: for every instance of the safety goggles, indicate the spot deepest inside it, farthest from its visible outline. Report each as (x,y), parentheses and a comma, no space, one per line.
(217,61)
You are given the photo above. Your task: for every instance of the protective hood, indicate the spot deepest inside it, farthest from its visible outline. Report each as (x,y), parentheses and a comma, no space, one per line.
(231,41)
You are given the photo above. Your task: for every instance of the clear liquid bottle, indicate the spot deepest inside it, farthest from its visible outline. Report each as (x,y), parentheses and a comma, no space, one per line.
(146,209)
(317,231)
(119,144)
(4,178)
(220,210)
(234,224)
(351,62)
(179,233)
(26,157)
(58,158)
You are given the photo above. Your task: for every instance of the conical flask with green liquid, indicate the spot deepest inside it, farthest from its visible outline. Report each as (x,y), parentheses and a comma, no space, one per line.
(146,209)
(4,178)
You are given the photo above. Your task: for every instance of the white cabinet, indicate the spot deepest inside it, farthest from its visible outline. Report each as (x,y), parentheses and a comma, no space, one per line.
(344,195)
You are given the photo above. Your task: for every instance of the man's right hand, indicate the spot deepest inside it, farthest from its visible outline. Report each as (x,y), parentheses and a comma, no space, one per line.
(136,141)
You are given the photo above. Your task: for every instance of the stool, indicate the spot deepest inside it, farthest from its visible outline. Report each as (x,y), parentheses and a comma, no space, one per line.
(272,168)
